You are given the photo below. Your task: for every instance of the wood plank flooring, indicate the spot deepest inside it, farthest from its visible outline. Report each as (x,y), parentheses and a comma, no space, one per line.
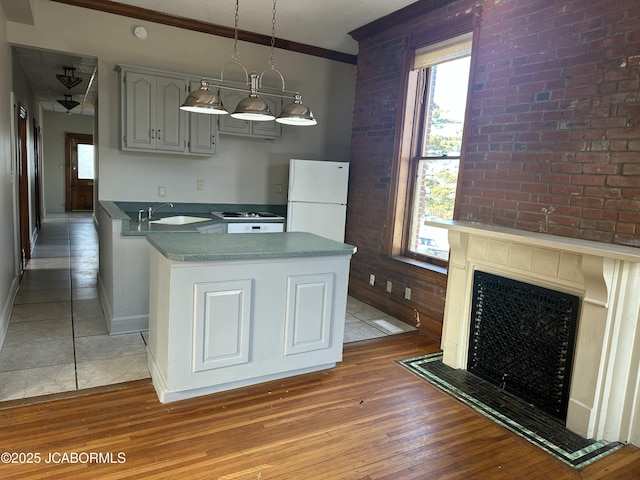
(369,418)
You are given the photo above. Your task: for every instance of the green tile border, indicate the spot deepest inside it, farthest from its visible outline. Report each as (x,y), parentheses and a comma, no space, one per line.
(578,459)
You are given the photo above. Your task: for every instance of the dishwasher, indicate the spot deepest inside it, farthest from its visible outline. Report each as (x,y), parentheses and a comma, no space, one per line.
(250,222)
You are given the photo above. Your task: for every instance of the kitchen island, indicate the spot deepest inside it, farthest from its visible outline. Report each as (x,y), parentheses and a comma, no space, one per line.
(123,277)
(227,311)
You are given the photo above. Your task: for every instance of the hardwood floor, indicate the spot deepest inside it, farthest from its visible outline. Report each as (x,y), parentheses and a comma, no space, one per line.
(367,418)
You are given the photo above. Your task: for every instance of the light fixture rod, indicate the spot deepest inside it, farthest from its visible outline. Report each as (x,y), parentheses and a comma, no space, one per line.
(252,107)
(242,87)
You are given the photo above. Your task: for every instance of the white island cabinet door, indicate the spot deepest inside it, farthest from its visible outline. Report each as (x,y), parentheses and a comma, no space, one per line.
(309,313)
(221,324)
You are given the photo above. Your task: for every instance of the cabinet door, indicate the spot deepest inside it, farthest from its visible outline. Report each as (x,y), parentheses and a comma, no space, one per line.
(203,130)
(170,120)
(222,324)
(140,104)
(228,124)
(231,125)
(309,313)
(269,129)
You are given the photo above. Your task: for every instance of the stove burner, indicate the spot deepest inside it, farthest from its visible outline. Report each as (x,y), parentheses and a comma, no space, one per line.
(248,215)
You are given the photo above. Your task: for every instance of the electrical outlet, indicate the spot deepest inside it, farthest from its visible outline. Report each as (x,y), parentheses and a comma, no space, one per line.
(372,279)
(407,293)
(200,184)
(277,188)
(389,286)
(162,191)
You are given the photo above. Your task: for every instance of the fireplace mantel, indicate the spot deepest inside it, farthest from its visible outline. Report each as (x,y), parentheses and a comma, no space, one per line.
(604,399)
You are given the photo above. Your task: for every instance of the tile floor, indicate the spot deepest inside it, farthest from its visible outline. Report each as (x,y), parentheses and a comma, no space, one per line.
(57,339)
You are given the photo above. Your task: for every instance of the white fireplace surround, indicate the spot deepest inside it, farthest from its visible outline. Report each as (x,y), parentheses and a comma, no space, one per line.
(604,401)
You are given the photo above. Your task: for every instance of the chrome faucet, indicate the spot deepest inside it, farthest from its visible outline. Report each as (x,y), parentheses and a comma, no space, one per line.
(151,210)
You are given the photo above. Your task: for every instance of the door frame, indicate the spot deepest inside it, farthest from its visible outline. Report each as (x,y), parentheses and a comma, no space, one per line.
(22,159)
(18,267)
(37,181)
(71,141)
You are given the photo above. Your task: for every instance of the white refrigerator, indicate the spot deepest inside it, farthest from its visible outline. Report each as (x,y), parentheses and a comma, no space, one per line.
(317,201)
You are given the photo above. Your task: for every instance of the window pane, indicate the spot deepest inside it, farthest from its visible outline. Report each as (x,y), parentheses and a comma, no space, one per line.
(446,103)
(435,194)
(85,162)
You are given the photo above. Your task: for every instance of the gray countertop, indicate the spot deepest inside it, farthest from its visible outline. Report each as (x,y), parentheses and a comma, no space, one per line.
(196,247)
(127,213)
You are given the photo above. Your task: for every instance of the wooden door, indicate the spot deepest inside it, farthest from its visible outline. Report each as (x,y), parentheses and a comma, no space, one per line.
(23,186)
(79,161)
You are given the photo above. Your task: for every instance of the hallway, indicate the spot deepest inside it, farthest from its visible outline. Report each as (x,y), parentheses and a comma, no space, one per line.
(57,339)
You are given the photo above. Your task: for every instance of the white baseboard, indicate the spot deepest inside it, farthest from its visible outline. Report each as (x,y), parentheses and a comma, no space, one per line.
(137,323)
(120,325)
(7,308)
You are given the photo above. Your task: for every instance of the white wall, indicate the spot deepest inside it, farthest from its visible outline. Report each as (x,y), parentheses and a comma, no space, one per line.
(8,273)
(244,170)
(54,127)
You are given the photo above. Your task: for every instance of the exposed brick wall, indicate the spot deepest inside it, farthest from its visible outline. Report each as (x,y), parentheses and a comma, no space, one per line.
(555,130)
(555,145)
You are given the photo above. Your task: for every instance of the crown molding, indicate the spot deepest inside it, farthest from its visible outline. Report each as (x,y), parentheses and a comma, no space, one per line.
(140,13)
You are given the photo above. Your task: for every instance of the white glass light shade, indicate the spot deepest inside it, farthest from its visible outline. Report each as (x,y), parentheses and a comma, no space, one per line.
(297,114)
(204,100)
(253,108)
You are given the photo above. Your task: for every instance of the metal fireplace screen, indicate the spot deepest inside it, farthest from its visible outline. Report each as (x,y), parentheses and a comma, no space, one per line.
(522,339)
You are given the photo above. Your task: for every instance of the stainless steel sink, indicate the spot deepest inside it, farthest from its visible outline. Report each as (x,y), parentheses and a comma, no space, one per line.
(180,220)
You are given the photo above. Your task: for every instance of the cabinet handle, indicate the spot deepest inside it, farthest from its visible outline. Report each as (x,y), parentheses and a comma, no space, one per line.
(153,133)
(158,134)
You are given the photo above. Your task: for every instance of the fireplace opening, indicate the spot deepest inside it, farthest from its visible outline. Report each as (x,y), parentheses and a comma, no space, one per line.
(522,339)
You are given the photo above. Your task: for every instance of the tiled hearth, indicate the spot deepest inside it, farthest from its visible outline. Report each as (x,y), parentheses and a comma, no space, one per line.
(605,385)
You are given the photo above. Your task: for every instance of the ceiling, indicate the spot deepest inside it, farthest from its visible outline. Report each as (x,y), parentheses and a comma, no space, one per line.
(41,68)
(319,23)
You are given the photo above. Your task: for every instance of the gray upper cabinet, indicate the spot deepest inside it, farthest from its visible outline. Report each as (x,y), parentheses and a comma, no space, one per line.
(203,129)
(170,121)
(151,119)
(234,126)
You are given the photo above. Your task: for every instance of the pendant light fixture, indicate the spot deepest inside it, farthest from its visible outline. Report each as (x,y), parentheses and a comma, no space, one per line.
(204,100)
(296,113)
(253,107)
(69,103)
(67,80)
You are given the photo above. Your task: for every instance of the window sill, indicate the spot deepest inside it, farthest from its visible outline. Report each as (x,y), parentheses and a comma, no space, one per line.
(418,269)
